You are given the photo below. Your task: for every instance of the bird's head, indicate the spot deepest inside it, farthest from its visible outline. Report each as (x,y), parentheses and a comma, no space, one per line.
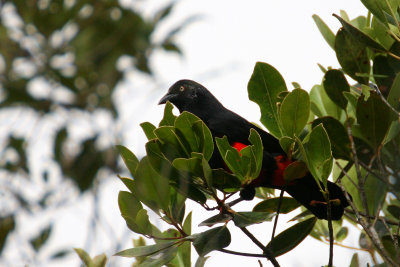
(184,94)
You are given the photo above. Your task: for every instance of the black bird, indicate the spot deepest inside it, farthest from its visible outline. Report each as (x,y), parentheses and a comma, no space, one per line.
(188,95)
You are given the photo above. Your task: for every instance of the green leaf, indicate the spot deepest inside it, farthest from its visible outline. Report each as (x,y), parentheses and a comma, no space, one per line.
(143,222)
(129,158)
(169,117)
(394,93)
(337,134)
(161,258)
(318,154)
(206,139)
(288,204)
(84,256)
(219,218)
(294,112)
(359,35)
(287,144)
(291,237)
(213,239)
(352,56)
(150,187)
(243,219)
(231,157)
(257,151)
(128,182)
(192,166)
(335,84)
(325,31)
(129,207)
(181,181)
(201,261)
(225,181)
(374,118)
(167,135)
(322,105)
(148,130)
(295,170)
(145,250)
(38,241)
(183,257)
(264,87)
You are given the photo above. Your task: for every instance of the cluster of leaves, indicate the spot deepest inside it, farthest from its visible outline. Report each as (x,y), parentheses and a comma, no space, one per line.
(175,169)
(72,48)
(350,129)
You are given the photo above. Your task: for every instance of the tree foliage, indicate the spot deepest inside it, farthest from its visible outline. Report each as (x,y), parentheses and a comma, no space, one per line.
(349,131)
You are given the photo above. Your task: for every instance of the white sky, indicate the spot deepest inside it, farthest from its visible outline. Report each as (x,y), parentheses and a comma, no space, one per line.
(220,52)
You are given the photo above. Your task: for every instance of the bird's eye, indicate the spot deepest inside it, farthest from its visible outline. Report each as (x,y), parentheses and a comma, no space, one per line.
(182,88)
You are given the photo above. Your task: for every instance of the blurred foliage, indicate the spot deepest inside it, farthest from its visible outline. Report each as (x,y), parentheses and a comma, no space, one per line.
(62,57)
(348,129)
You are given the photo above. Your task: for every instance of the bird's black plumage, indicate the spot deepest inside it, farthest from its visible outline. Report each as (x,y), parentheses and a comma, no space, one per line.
(188,95)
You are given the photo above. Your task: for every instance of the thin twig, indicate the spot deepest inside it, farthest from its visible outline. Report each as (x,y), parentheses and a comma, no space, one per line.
(385,101)
(277,214)
(388,221)
(267,251)
(237,253)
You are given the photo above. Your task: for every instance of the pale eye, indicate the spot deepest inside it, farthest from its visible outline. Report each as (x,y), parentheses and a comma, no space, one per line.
(182,88)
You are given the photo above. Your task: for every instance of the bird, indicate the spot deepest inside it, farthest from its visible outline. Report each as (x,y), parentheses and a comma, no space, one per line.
(190,96)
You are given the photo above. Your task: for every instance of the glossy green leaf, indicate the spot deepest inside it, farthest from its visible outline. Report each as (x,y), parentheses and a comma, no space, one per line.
(225,181)
(243,219)
(291,237)
(388,244)
(169,118)
(359,35)
(191,165)
(148,130)
(160,259)
(288,204)
(231,157)
(201,261)
(143,222)
(379,33)
(375,191)
(145,250)
(184,250)
(337,134)
(335,84)
(129,207)
(374,118)
(352,56)
(151,188)
(264,87)
(213,239)
(322,105)
(219,218)
(183,125)
(394,93)
(294,112)
(295,170)
(325,31)
(286,143)
(206,139)
(167,135)
(256,150)
(319,155)
(181,181)
(131,161)
(384,74)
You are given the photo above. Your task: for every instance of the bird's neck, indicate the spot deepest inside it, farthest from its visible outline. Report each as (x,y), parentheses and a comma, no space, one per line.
(205,107)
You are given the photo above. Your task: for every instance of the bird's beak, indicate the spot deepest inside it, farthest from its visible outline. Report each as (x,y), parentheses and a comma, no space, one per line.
(167,97)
